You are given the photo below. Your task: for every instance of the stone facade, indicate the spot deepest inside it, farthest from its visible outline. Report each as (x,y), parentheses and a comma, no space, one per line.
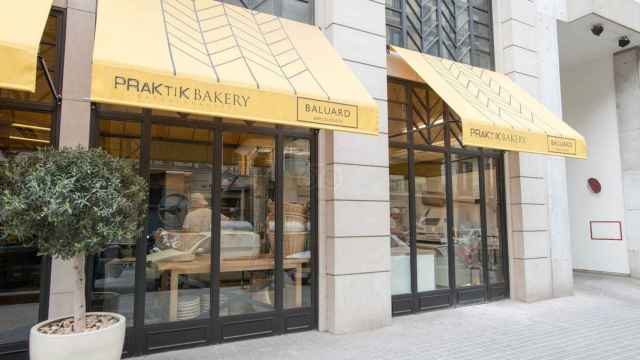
(526,41)
(354,254)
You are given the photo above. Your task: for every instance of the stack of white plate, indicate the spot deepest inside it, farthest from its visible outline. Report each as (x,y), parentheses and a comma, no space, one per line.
(188,307)
(205,303)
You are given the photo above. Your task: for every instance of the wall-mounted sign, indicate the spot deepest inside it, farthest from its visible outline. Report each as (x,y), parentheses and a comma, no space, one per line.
(605,230)
(594,185)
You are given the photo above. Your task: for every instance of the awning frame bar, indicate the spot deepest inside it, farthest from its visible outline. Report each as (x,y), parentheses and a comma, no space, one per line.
(47,75)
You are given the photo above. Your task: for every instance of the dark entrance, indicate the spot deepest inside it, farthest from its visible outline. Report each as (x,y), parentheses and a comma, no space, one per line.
(448,244)
(229,246)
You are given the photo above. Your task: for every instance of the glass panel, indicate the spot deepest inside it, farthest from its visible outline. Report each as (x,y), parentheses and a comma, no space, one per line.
(482,44)
(394,36)
(494,211)
(114,269)
(481,4)
(298,10)
(179,224)
(397,112)
(482,30)
(431,221)
(297,223)
(428,110)
(23,131)
(19,291)
(248,209)
(482,60)
(455,129)
(394,4)
(121,138)
(467,233)
(394,18)
(400,237)
(20,131)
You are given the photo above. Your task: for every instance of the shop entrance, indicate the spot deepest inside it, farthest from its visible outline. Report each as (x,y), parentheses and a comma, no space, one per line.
(447,215)
(228,249)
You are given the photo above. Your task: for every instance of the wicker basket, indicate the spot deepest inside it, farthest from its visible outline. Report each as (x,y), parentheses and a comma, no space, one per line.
(295,208)
(290,209)
(294,242)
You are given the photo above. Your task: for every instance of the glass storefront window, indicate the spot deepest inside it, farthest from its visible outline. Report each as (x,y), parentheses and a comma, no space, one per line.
(431,221)
(297,223)
(19,291)
(397,107)
(444,253)
(400,213)
(214,185)
(113,287)
(178,262)
(467,228)
(495,260)
(247,240)
(457,30)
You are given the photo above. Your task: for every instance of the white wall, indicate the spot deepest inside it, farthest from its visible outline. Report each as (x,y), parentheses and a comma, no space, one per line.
(589,106)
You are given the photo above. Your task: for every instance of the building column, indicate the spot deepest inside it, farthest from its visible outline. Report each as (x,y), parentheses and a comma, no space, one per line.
(627,84)
(354,199)
(74,122)
(539,235)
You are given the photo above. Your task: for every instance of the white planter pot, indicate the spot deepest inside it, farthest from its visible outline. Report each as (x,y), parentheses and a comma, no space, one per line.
(104,344)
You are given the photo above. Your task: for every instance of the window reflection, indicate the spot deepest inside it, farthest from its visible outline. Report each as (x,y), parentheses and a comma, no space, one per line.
(431,221)
(399,209)
(467,233)
(494,209)
(114,268)
(297,223)
(179,224)
(247,244)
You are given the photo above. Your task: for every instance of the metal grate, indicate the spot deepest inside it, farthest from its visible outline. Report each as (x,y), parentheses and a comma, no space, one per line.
(460,30)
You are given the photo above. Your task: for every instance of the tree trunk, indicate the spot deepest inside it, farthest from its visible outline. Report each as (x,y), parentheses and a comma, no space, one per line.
(79,300)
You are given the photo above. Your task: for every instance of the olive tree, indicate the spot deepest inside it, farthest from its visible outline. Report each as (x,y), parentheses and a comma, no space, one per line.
(69,204)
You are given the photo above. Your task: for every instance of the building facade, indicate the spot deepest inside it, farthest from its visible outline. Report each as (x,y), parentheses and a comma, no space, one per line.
(345,230)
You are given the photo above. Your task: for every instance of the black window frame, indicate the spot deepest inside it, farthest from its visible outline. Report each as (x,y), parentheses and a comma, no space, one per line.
(414,35)
(415,301)
(19,350)
(217,329)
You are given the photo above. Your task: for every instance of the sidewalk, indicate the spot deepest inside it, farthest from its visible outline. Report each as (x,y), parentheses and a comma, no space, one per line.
(601,322)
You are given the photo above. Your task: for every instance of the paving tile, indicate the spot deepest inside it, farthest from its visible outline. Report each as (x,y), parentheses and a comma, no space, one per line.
(602,321)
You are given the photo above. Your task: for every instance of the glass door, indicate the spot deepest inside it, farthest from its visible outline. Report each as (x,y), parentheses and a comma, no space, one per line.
(447,231)
(247,224)
(178,252)
(432,239)
(229,246)
(467,228)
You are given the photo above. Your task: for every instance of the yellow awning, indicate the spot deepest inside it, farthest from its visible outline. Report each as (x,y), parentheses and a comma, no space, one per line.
(495,112)
(21,26)
(207,57)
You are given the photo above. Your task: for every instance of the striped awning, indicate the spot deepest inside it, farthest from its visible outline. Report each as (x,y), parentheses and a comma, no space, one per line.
(211,58)
(494,111)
